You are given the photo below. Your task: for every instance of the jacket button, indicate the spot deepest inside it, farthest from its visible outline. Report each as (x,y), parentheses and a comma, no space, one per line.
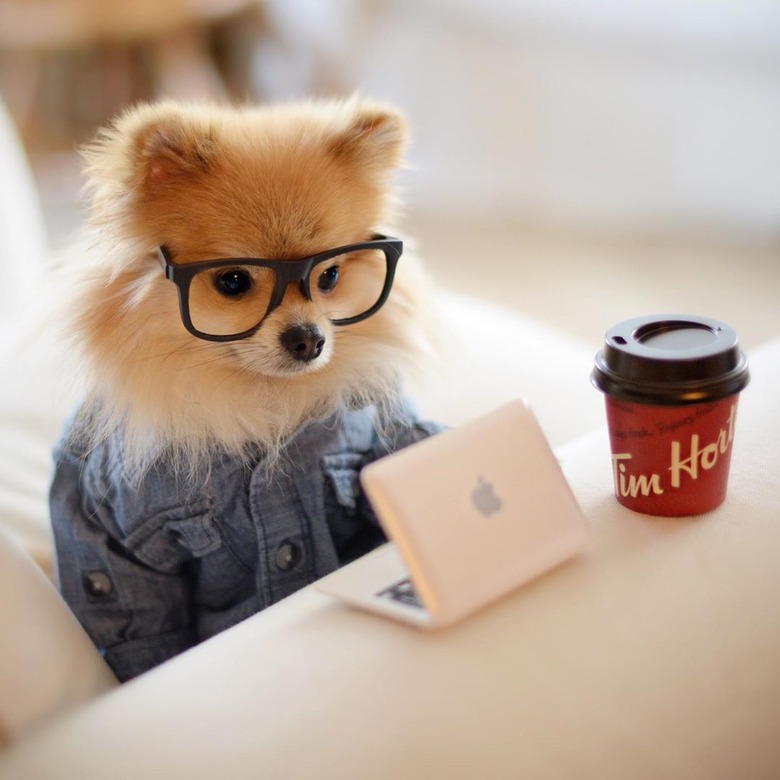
(287,556)
(98,583)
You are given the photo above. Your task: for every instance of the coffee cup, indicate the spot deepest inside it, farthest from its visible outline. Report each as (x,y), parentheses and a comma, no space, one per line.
(671,386)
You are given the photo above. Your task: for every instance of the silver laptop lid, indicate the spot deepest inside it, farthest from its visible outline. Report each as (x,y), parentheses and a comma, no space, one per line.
(476,511)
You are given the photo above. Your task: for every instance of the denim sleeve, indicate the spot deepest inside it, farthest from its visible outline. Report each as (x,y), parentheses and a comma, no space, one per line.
(136,611)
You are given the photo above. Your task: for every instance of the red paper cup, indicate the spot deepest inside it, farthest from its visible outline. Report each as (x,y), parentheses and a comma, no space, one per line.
(671,387)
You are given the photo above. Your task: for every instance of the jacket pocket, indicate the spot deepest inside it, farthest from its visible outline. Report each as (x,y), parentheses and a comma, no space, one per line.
(167,540)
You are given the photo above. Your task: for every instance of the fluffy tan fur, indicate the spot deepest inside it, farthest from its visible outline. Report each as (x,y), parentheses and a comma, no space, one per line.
(279,182)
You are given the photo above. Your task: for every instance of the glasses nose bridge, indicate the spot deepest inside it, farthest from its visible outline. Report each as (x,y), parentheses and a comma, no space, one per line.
(291,272)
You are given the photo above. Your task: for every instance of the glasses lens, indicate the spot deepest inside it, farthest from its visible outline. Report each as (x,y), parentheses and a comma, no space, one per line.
(349,284)
(230,300)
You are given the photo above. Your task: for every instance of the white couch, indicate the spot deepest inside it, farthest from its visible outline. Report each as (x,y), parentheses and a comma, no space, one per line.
(677,617)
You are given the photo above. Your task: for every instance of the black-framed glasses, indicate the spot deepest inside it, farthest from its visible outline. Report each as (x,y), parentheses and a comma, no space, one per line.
(229,298)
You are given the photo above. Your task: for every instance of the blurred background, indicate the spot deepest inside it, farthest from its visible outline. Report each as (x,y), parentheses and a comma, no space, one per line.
(581,162)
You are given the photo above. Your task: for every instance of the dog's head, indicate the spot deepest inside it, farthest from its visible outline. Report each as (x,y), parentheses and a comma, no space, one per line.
(242,348)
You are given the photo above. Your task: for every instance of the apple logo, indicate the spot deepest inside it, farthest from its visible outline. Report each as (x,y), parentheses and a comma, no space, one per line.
(484,498)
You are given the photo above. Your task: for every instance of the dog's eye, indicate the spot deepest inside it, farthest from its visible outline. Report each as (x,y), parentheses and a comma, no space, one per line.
(234,282)
(329,278)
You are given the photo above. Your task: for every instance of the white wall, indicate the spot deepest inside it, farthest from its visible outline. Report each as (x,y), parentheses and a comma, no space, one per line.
(613,114)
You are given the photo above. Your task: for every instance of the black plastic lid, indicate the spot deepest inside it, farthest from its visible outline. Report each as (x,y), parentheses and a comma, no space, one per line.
(670,359)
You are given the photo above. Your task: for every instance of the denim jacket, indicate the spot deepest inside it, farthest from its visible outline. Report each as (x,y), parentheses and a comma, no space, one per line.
(152,567)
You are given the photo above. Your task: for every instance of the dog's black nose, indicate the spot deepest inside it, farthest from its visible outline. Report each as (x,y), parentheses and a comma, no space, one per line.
(303,342)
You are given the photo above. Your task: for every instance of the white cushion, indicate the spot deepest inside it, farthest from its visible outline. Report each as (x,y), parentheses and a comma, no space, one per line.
(34,401)
(47,662)
(22,228)
(492,355)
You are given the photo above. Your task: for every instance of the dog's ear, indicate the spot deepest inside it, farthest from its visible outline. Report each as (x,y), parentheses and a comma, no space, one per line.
(375,137)
(167,150)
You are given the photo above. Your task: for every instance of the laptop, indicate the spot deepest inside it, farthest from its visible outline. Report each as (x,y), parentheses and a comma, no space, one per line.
(471,514)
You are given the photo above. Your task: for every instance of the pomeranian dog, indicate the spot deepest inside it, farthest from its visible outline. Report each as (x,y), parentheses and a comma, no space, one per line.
(246,329)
